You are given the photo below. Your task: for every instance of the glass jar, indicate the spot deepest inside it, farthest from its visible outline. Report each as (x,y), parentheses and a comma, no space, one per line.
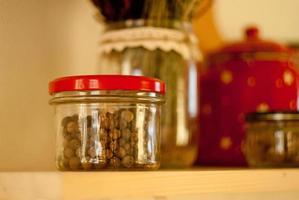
(107,122)
(167,51)
(272,139)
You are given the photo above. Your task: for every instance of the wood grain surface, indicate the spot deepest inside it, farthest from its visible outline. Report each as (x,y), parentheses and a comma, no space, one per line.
(274,184)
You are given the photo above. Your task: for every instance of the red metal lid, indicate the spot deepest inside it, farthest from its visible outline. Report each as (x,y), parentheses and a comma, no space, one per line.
(253,43)
(106,82)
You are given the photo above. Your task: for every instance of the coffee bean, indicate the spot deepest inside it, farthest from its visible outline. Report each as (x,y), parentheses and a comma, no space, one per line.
(65,121)
(114,162)
(68,152)
(134,137)
(127,115)
(72,127)
(109,154)
(121,152)
(65,143)
(114,145)
(92,152)
(122,142)
(123,124)
(125,134)
(86,165)
(127,161)
(74,144)
(74,163)
(115,134)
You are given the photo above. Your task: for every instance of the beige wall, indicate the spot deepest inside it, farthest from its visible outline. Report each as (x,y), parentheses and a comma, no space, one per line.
(39,40)
(277,19)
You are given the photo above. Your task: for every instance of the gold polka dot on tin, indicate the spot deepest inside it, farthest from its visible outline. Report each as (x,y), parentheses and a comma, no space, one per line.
(226,76)
(251,82)
(279,83)
(225,143)
(288,78)
(293,104)
(207,109)
(262,107)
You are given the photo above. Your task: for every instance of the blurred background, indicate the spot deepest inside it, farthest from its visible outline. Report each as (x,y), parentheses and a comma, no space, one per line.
(41,40)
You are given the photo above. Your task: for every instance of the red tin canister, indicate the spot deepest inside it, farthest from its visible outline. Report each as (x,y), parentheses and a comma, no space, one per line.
(247,76)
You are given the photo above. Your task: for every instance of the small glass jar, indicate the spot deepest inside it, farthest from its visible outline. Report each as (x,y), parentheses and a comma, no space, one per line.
(272,139)
(107,122)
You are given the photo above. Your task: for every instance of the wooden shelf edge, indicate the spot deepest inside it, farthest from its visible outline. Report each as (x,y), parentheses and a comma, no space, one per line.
(168,184)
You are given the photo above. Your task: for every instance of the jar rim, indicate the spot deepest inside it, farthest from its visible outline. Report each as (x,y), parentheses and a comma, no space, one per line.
(273,116)
(134,23)
(106,83)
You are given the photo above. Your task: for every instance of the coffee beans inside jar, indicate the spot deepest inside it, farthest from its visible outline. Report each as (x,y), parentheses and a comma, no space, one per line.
(114,138)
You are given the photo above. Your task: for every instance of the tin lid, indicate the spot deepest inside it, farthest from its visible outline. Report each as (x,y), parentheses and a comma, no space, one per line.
(273,116)
(253,43)
(106,82)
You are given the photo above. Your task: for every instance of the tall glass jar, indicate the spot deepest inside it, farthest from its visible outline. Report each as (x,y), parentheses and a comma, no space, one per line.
(167,51)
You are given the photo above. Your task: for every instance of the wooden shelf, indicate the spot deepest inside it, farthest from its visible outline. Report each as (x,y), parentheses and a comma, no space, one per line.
(160,185)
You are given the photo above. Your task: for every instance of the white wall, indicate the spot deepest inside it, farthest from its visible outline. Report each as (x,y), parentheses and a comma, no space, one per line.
(39,40)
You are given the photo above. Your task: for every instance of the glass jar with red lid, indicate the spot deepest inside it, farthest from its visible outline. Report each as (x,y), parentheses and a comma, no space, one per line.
(254,75)
(272,139)
(107,122)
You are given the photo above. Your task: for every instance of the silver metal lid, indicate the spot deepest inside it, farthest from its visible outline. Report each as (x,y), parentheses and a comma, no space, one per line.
(273,116)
